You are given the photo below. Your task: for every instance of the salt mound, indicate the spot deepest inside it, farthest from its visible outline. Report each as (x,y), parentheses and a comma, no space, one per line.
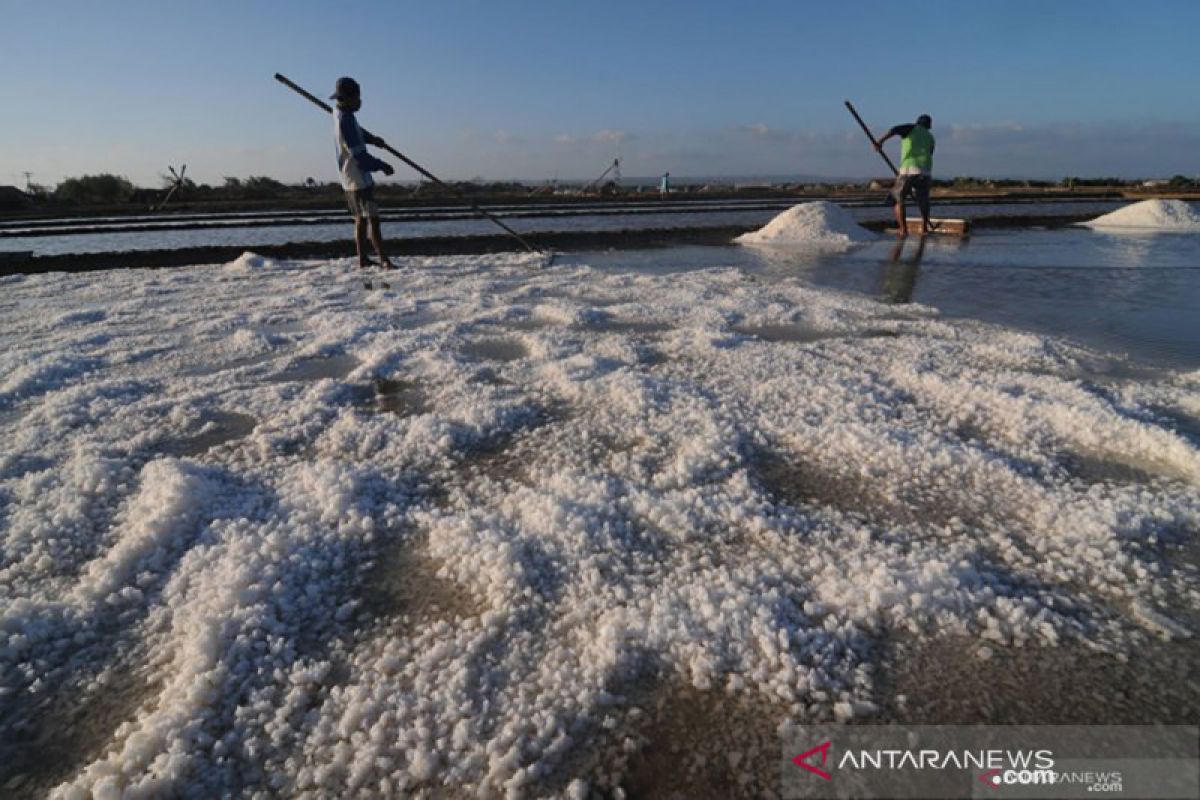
(249,261)
(1157,215)
(820,224)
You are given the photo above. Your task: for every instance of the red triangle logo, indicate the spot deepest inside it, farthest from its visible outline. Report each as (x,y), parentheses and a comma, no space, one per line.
(823,749)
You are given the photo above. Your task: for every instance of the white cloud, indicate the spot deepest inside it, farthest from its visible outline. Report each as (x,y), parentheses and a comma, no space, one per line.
(609,136)
(605,136)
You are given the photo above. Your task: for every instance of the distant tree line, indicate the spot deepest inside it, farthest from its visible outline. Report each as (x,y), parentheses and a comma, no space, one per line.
(110,190)
(1178,182)
(107,190)
(95,189)
(114,190)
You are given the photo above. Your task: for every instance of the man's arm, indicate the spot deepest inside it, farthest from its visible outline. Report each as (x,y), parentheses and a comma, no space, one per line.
(899,130)
(358,148)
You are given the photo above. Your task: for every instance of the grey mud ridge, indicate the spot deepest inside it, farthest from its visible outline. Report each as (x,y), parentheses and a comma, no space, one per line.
(449,245)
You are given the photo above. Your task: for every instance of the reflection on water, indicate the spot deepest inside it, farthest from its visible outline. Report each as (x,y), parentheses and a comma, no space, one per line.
(900,276)
(1134,249)
(1133,295)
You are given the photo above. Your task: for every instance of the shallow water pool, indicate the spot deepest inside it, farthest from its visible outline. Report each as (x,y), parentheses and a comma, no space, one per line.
(1128,294)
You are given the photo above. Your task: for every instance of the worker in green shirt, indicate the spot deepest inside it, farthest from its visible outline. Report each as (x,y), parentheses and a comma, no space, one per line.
(916,169)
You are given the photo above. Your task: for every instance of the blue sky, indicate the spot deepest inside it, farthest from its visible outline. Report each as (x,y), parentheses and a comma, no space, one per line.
(536,89)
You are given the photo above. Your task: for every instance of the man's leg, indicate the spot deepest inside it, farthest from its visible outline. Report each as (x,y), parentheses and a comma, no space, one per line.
(377,241)
(360,241)
(354,203)
(899,191)
(923,202)
(901,218)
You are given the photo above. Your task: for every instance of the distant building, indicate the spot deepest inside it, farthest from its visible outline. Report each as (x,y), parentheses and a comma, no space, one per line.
(1155,184)
(13,199)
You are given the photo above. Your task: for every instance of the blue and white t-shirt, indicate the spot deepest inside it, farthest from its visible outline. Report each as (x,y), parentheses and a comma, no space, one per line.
(354,162)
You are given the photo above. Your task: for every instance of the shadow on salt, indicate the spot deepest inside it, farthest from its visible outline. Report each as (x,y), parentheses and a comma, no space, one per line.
(404,586)
(602,322)
(1008,685)
(71,728)
(805,334)
(1098,469)
(794,480)
(730,740)
(1179,423)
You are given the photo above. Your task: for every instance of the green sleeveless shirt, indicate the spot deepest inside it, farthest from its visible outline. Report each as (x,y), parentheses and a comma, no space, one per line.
(916,149)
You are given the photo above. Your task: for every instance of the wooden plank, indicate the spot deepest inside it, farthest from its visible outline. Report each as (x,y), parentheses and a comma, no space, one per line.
(943,227)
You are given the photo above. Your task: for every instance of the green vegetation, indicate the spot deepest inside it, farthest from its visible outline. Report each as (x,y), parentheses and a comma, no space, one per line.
(103,189)
(114,194)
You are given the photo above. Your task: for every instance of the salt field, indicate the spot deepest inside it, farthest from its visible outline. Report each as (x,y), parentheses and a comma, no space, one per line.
(491,528)
(100,235)
(529,401)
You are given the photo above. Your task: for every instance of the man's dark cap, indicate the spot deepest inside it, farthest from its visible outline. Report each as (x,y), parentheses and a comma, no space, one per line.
(346,88)
(925,121)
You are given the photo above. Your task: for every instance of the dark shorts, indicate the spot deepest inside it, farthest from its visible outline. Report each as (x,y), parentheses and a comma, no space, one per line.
(362,202)
(915,186)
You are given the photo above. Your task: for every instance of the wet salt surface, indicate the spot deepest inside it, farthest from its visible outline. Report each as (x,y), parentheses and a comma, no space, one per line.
(218,428)
(476,554)
(496,349)
(315,368)
(399,397)
(1135,295)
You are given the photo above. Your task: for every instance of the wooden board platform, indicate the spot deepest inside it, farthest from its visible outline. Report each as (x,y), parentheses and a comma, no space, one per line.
(941,227)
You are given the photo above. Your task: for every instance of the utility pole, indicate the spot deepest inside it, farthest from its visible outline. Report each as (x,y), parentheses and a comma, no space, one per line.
(28,182)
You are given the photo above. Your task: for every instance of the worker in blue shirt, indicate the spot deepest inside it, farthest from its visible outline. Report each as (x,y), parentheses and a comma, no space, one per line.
(356,165)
